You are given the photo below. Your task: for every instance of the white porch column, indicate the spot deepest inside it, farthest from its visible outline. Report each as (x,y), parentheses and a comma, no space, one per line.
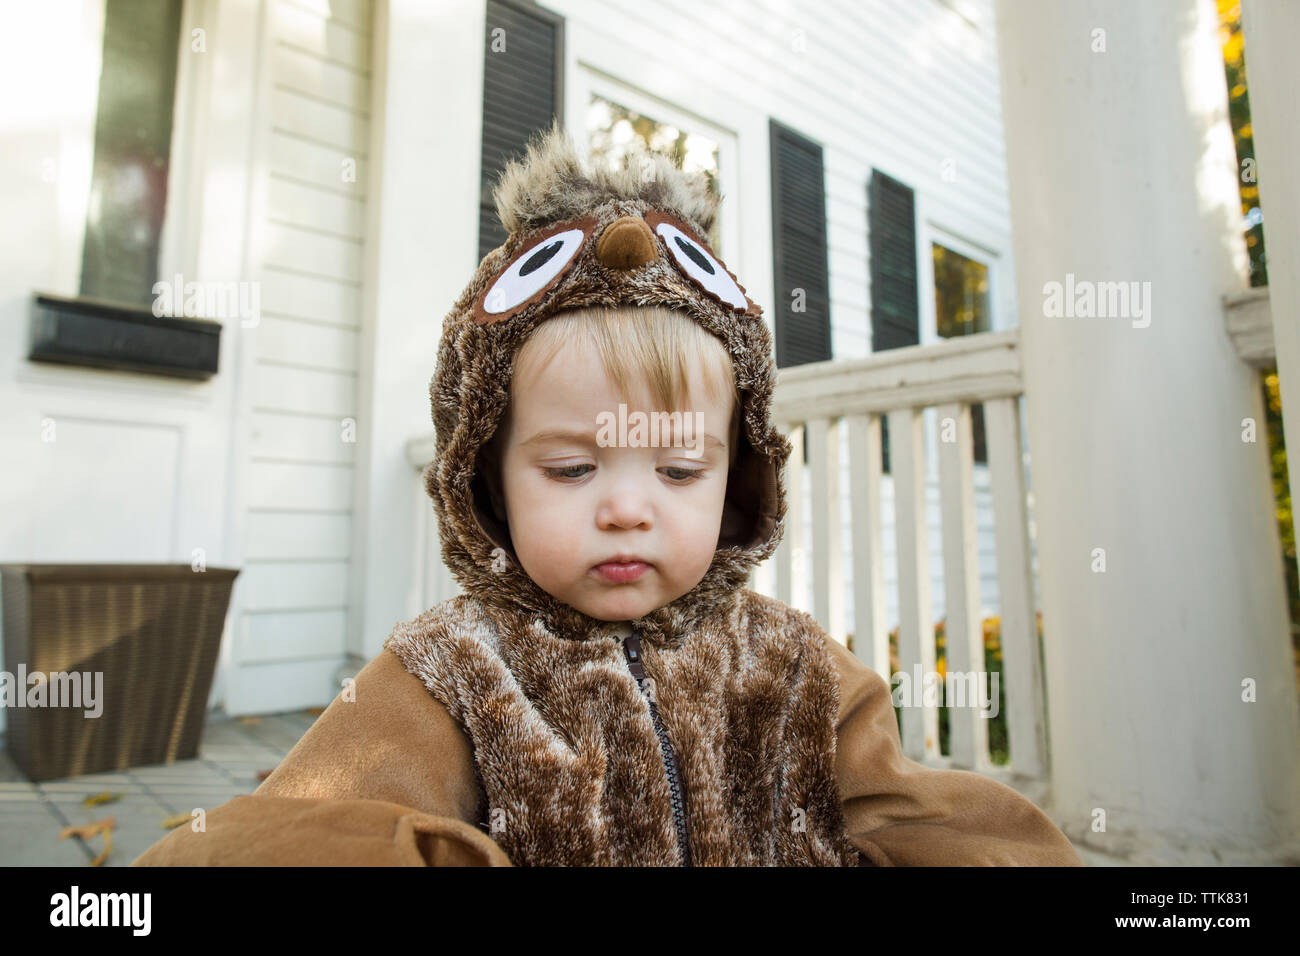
(422,235)
(1122,169)
(1271,31)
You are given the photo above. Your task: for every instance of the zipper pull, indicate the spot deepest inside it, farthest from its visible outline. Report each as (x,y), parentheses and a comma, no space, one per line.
(632,651)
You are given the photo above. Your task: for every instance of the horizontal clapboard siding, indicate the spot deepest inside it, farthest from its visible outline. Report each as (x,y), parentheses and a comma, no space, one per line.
(313,164)
(313,299)
(285,436)
(297,536)
(302,421)
(309,207)
(275,637)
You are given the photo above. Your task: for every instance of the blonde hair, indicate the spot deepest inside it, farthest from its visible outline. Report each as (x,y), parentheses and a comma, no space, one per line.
(646,343)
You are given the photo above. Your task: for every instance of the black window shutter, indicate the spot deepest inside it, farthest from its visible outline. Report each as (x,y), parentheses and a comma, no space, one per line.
(523,91)
(799,248)
(895,305)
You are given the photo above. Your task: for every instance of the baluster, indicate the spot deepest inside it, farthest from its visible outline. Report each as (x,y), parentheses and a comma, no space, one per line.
(870,639)
(916,628)
(1023,677)
(793,534)
(827,555)
(964,633)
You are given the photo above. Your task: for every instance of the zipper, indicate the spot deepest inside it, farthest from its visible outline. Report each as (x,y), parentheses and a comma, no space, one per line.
(632,651)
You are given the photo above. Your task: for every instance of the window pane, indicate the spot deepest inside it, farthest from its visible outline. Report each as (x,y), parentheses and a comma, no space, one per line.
(961,303)
(615,132)
(961,293)
(133,130)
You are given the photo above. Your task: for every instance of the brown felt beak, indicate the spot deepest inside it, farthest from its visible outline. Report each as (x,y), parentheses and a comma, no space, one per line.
(626,243)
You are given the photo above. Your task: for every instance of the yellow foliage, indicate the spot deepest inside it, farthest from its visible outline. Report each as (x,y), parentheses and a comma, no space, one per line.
(1232,48)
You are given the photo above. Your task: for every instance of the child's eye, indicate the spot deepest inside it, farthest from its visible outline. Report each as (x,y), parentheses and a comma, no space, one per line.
(681,476)
(684,475)
(565,472)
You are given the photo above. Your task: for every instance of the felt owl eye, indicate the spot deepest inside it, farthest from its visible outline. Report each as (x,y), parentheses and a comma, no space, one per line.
(530,273)
(699,264)
(534,270)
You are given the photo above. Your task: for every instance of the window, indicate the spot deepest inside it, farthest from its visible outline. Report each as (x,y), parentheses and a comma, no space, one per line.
(133,134)
(616,133)
(961,306)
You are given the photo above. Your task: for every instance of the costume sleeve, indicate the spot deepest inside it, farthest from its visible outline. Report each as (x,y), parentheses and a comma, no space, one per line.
(901,813)
(386,779)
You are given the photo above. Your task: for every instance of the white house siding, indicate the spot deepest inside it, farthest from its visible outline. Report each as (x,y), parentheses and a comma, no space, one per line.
(911,90)
(307,246)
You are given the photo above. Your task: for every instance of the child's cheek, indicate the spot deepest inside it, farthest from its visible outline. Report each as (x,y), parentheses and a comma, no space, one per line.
(548,523)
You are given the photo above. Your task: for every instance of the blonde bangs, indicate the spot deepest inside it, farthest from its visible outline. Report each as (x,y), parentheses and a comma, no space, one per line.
(643,344)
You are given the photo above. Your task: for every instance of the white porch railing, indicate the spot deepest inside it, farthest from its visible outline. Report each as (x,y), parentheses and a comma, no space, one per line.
(811,403)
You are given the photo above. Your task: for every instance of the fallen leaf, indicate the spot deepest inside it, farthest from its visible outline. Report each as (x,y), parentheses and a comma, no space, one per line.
(250,720)
(173,822)
(108,846)
(315,711)
(88,830)
(263,774)
(98,798)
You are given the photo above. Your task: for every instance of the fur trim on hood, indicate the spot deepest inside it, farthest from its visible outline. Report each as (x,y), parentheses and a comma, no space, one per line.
(557,214)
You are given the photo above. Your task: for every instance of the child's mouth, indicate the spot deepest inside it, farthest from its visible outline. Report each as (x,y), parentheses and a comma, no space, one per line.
(620,572)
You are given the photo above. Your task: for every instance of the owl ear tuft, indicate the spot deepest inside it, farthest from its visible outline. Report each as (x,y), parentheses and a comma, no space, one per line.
(548,185)
(551,185)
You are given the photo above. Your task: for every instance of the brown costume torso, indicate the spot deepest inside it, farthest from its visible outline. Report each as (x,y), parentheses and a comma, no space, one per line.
(575,770)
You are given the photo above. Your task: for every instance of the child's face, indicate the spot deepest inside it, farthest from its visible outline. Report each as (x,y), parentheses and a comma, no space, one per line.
(572,504)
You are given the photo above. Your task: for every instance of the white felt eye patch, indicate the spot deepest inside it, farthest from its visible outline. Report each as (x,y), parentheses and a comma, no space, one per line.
(697,263)
(532,271)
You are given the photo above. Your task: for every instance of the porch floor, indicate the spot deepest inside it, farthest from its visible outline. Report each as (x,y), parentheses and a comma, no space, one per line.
(231,754)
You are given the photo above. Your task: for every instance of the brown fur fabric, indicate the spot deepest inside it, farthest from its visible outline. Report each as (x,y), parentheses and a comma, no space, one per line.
(569,762)
(563,737)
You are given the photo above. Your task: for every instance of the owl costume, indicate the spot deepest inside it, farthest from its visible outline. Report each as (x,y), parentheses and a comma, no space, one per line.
(504,727)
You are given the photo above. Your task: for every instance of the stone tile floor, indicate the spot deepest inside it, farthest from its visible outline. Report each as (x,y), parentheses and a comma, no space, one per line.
(231,754)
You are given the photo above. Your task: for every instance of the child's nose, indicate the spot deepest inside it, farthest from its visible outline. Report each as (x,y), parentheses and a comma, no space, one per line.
(625,507)
(626,243)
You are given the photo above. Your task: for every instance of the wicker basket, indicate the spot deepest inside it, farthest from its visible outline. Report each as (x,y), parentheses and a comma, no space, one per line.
(153,632)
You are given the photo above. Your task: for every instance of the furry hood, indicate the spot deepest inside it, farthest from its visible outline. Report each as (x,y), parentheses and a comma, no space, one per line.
(561,253)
